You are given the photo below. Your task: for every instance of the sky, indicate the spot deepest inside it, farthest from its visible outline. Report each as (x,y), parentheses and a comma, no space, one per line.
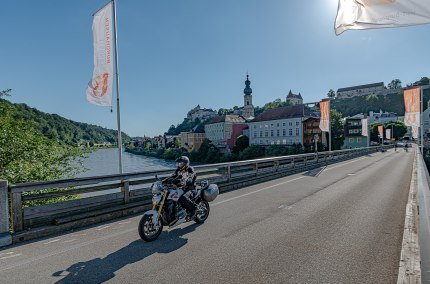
(174,55)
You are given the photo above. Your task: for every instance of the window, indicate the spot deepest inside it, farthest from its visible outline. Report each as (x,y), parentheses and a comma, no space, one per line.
(359,139)
(290,124)
(284,132)
(297,131)
(277,124)
(351,140)
(271,125)
(284,141)
(266,133)
(255,126)
(290,132)
(277,132)
(271,133)
(297,123)
(283,124)
(261,133)
(255,134)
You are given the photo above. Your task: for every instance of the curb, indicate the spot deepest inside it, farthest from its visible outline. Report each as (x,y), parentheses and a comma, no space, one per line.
(410,260)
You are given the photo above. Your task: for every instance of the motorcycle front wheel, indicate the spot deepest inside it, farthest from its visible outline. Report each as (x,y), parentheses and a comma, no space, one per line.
(148,231)
(202,211)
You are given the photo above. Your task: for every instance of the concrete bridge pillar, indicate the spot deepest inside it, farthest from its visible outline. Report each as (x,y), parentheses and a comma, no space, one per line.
(5,237)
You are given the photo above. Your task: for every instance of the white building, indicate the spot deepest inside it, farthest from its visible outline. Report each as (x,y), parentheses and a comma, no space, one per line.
(383,117)
(201,114)
(222,131)
(363,90)
(278,126)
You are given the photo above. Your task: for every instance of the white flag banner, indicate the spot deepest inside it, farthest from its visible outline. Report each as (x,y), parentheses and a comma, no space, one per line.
(372,14)
(415,132)
(388,134)
(99,89)
(364,127)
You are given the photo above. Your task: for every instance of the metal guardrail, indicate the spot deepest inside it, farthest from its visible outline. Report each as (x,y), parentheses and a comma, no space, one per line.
(424,217)
(130,192)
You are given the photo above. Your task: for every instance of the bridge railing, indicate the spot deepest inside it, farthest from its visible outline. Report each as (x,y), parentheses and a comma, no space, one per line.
(82,201)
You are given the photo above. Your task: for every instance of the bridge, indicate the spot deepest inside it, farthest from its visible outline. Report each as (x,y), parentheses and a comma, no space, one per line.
(349,216)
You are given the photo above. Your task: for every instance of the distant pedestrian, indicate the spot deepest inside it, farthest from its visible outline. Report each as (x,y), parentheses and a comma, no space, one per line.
(395,147)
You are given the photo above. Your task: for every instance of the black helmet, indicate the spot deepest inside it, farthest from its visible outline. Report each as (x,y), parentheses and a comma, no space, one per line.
(182,162)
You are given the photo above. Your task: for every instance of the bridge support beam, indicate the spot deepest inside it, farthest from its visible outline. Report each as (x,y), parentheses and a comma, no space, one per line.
(5,237)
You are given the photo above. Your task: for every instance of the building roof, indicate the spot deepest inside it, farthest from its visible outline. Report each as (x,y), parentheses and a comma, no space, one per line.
(380,84)
(291,95)
(283,113)
(233,118)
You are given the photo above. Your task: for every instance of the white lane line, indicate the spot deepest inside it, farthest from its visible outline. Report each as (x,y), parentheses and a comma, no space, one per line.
(261,189)
(4,268)
(6,253)
(102,228)
(69,241)
(10,256)
(121,223)
(278,184)
(53,241)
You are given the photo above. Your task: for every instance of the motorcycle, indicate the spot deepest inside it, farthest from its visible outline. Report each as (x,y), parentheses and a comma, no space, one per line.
(166,210)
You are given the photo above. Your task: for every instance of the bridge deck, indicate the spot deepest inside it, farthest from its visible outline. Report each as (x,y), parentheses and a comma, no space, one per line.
(344,225)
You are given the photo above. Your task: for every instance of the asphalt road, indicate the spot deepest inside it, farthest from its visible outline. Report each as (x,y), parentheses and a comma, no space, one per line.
(344,225)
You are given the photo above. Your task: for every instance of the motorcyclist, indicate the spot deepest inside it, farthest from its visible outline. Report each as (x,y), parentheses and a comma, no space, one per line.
(184,177)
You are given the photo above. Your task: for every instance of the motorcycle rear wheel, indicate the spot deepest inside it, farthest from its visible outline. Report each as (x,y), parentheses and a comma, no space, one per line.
(146,230)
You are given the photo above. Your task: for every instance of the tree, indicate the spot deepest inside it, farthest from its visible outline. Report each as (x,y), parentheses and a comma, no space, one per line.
(337,129)
(399,129)
(374,134)
(331,94)
(252,152)
(395,84)
(421,82)
(242,142)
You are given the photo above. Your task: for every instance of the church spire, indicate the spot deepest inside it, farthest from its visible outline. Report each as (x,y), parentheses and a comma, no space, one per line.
(247,90)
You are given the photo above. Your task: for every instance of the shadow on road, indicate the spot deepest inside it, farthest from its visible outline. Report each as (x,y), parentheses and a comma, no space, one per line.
(99,270)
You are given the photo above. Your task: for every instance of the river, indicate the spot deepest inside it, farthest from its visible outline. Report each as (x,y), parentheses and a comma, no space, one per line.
(105,162)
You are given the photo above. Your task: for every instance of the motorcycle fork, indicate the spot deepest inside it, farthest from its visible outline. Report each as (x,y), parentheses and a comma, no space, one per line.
(161,203)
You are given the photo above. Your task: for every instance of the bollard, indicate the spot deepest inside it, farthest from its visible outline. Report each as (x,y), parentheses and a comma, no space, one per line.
(5,237)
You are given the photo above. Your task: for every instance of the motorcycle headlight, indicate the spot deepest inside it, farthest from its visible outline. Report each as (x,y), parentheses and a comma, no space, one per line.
(156,198)
(157,187)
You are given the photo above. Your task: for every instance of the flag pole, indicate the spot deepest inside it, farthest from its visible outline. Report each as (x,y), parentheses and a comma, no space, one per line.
(421,120)
(118,114)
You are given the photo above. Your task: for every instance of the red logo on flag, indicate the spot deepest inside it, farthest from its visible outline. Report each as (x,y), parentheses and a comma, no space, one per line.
(101,85)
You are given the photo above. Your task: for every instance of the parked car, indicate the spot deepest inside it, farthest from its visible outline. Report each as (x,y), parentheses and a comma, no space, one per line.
(374,143)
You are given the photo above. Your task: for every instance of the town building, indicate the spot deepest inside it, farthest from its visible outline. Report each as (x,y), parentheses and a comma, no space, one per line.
(353,133)
(247,111)
(194,139)
(364,90)
(311,130)
(278,126)
(223,130)
(383,117)
(293,99)
(201,113)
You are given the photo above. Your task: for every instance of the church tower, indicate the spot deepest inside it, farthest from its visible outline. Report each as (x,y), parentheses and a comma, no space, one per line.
(248,108)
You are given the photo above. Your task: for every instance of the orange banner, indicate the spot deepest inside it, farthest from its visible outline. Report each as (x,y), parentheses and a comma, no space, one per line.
(325,115)
(412,106)
(381,131)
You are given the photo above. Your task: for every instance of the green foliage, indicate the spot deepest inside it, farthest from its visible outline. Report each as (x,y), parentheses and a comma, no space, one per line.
(399,129)
(242,142)
(275,104)
(185,126)
(395,84)
(337,129)
(374,132)
(252,152)
(60,129)
(26,155)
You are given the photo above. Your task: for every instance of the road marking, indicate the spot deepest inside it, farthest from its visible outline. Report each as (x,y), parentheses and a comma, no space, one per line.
(261,189)
(4,268)
(11,252)
(121,223)
(53,241)
(102,228)
(10,256)
(69,241)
